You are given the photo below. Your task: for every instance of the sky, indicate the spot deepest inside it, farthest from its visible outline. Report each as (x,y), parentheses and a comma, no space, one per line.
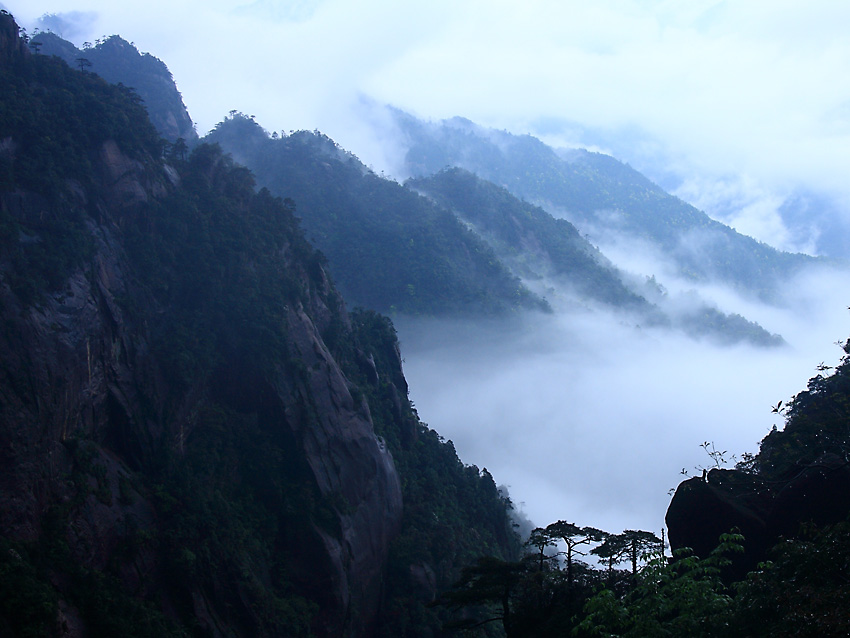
(737,107)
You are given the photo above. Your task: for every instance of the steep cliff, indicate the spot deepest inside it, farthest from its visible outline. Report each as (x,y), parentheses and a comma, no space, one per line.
(181,451)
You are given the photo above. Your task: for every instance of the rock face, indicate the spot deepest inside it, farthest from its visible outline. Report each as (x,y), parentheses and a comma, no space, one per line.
(763,511)
(92,425)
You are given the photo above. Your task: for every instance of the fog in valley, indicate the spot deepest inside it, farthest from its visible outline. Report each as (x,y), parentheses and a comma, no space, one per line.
(590,418)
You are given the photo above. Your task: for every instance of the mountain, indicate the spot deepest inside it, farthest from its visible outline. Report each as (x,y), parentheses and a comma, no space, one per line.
(196,437)
(118,61)
(537,246)
(602,197)
(389,249)
(534,243)
(446,275)
(469,248)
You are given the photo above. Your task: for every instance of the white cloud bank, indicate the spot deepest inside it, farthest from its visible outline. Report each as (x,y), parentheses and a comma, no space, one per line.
(589,419)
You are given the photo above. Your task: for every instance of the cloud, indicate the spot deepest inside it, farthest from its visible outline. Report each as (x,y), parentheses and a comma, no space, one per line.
(70,26)
(587,418)
(280,10)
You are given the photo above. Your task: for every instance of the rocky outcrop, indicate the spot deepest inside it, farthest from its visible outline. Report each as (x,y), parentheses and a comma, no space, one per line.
(763,511)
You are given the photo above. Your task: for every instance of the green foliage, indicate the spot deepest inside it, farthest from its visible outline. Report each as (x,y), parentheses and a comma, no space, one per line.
(216,257)
(631,545)
(491,586)
(238,508)
(53,119)
(27,601)
(540,595)
(221,264)
(684,597)
(817,422)
(803,591)
(119,62)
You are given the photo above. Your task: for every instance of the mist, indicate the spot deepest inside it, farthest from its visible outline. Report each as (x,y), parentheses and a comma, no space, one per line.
(589,418)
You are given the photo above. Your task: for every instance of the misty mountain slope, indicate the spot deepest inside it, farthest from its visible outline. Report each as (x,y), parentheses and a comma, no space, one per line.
(196,437)
(118,61)
(389,249)
(604,198)
(538,246)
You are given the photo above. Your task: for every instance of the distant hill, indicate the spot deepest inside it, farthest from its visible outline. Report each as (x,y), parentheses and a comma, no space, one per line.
(537,246)
(533,242)
(118,61)
(602,197)
(389,249)
(446,270)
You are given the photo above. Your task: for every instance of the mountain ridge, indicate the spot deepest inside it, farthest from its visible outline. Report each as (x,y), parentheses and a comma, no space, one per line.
(559,181)
(390,249)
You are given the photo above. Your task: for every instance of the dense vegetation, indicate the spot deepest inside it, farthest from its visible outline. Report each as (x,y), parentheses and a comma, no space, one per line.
(388,249)
(817,423)
(536,245)
(53,121)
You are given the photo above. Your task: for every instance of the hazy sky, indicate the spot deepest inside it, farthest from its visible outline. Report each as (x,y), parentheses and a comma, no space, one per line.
(745,102)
